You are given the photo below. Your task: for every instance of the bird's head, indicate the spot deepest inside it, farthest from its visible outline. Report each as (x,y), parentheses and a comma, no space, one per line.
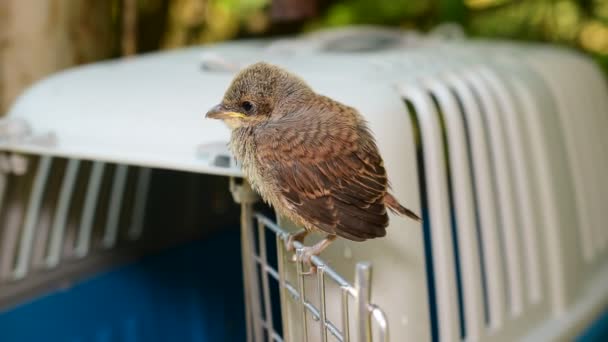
(259,93)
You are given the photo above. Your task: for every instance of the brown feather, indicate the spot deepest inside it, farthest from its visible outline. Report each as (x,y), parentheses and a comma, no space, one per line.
(341,193)
(313,158)
(397,208)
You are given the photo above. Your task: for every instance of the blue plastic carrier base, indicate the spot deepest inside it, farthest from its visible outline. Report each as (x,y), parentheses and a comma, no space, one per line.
(192,292)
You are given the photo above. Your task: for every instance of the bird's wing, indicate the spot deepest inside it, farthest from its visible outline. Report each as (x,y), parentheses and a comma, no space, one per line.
(335,180)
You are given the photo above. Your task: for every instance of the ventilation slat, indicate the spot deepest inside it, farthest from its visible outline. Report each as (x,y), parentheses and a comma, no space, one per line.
(523,188)
(47,211)
(603,183)
(592,102)
(568,116)
(464,211)
(598,90)
(584,126)
(31,217)
(116,200)
(572,229)
(439,213)
(61,213)
(12,212)
(486,204)
(141,195)
(548,224)
(504,186)
(83,243)
(10,235)
(3,188)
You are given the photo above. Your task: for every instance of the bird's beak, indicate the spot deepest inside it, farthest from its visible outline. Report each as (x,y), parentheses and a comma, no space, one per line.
(220,113)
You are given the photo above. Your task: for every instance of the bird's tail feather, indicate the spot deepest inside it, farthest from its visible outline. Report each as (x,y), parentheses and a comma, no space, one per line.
(397,208)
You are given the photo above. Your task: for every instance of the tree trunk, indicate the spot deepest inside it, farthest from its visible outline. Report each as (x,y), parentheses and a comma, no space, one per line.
(41,37)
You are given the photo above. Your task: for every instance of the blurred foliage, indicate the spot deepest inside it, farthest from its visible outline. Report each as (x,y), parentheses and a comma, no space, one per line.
(582,24)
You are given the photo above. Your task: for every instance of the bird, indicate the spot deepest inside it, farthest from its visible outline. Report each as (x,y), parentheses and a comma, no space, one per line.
(313,159)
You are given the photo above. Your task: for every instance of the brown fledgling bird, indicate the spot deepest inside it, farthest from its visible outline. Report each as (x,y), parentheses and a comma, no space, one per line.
(312,158)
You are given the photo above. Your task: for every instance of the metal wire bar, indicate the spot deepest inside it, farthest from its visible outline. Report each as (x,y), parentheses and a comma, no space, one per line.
(363,276)
(272,336)
(345,318)
(366,312)
(380,319)
(315,259)
(301,291)
(315,314)
(289,289)
(31,217)
(263,260)
(252,273)
(61,214)
(243,194)
(280,277)
(321,289)
(249,316)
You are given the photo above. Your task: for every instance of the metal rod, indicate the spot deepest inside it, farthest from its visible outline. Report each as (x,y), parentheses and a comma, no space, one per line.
(141,198)
(244,195)
(345,319)
(314,312)
(246,277)
(289,289)
(90,204)
(265,287)
(335,331)
(60,218)
(116,198)
(363,288)
(365,312)
(322,304)
(316,261)
(301,291)
(253,275)
(282,286)
(380,317)
(31,217)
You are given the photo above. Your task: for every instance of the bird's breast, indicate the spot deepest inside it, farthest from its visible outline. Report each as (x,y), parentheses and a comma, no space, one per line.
(243,147)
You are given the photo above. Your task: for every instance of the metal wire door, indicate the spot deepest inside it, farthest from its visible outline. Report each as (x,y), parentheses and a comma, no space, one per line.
(327,309)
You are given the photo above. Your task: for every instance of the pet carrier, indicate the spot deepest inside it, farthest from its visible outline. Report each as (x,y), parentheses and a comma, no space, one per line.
(499,145)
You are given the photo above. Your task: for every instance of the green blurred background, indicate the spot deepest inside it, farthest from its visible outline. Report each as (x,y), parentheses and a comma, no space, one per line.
(39,39)
(582,24)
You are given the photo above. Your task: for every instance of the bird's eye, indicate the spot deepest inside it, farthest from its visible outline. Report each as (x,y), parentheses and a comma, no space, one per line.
(247,106)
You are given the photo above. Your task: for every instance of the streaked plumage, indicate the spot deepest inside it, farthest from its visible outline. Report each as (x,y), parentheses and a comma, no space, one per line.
(312,158)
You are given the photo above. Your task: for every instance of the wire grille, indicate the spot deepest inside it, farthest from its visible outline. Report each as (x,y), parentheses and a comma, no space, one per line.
(307,309)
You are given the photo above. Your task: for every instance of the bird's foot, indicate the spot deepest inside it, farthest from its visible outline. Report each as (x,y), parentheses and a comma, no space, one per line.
(297,236)
(305,254)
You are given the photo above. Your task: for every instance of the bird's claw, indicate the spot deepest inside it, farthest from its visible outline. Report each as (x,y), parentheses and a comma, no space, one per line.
(304,256)
(291,238)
